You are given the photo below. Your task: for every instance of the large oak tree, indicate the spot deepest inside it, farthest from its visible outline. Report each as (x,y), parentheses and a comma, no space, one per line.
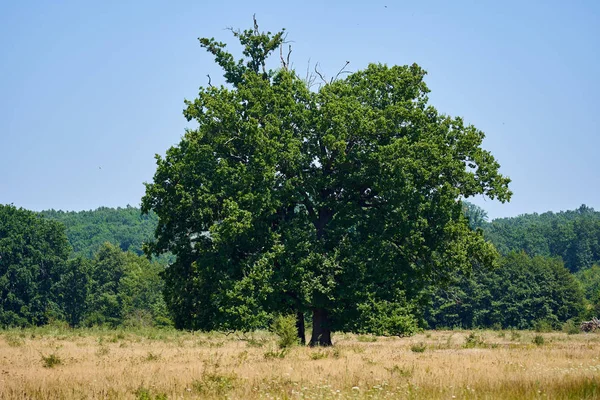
(342,200)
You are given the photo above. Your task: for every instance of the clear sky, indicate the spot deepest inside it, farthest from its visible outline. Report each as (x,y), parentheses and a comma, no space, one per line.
(90,91)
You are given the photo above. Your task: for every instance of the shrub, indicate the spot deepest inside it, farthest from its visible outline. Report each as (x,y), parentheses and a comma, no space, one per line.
(514,335)
(543,325)
(418,348)
(570,327)
(284,326)
(51,360)
(538,340)
(215,383)
(473,340)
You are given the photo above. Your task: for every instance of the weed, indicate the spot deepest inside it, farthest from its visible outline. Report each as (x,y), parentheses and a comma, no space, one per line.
(254,342)
(366,338)
(337,353)
(396,370)
(214,383)
(473,340)
(51,360)
(243,356)
(281,353)
(418,347)
(152,356)
(357,349)
(145,394)
(102,351)
(318,355)
(13,340)
(538,340)
(514,335)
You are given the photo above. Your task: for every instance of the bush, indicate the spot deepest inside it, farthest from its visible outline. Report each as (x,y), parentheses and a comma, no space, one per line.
(474,340)
(543,325)
(418,348)
(570,327)
(50,361)
(538,340)
(384,318)
(284,326)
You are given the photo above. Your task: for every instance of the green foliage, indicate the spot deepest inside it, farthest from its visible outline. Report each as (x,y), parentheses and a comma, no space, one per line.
(273,353)
(476,216)
(33,257)
(319,355)
(571,235)
(543,325)
(366,338)
(284,326)
(520,293)
(87,231)
(125,289)
(571,327)
(418,348)
(214,383)
(538,340)
(474,340)
(337,200)
(143,393)
(386,318)
(73,290)
(51,360)
(589,279)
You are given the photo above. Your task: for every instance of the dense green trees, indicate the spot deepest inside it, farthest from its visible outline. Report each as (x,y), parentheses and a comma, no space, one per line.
(572,235)
(124,288)
(521,292)
(87,231)
(39,283)
(121,288)
(33,255)
(341,202)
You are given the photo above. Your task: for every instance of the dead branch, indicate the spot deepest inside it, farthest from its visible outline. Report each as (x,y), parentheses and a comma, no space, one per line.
(341,71)
(320,74)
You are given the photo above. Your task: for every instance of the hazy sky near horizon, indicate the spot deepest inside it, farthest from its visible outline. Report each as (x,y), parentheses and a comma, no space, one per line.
(90,91)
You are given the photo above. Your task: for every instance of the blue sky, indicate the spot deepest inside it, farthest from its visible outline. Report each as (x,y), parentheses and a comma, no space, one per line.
(90,91)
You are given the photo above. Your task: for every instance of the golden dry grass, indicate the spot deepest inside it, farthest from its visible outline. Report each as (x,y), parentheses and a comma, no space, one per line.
(156,364)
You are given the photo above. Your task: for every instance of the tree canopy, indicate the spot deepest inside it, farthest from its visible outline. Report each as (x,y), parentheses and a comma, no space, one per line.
(87,231)
(572,235)
(343,201)
(33,255)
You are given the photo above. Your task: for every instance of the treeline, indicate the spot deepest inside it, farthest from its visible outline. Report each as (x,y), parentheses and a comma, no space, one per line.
(522,292)
(42,279)
(87,268)
(574,236)
(547,273)
(87,231)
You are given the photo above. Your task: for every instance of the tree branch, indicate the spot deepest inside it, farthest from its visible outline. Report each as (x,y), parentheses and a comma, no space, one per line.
(341,71)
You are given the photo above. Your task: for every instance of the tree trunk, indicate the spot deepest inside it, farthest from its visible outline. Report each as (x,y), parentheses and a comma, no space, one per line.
(321,333)
(300,327)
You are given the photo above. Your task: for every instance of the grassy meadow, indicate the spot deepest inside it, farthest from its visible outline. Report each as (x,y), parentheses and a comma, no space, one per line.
(58,363)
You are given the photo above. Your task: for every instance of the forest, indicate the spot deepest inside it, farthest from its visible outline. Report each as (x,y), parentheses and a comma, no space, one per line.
(88,269)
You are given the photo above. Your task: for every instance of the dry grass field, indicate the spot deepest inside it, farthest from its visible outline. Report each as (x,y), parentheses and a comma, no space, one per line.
(55,363)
